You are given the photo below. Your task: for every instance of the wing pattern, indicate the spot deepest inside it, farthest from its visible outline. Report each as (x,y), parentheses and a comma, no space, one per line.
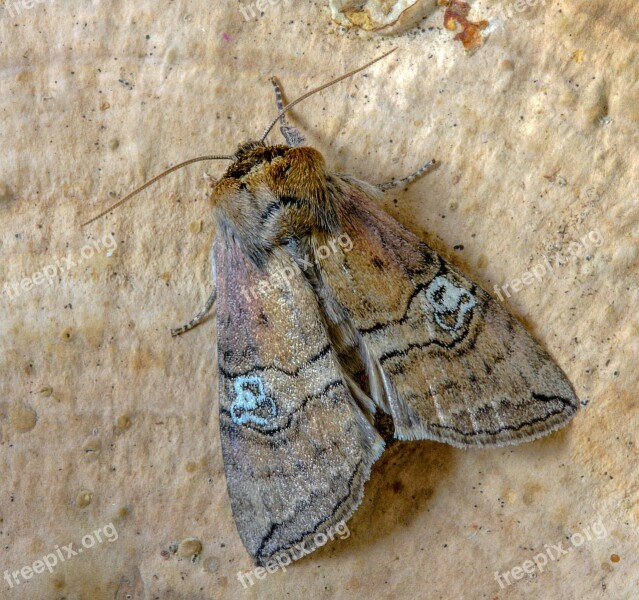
(454,365)
(297,448)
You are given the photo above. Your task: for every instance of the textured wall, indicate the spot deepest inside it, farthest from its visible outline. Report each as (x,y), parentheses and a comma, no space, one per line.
(107,423)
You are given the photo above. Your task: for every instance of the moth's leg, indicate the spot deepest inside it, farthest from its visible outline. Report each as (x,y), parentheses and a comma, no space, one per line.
(292,135)
(408,180)
(197,318)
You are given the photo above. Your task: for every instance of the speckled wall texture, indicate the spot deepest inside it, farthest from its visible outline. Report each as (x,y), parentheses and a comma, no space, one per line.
(109,434)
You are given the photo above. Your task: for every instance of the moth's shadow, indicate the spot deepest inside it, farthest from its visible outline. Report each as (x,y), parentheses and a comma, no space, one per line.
(402,483)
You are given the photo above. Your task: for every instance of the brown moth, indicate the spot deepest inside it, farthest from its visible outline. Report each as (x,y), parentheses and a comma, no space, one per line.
(331,316)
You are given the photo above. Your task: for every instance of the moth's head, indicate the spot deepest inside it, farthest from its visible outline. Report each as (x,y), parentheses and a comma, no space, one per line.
(273,193)
(251,156)
(246,150)
(256,166)
(286,172)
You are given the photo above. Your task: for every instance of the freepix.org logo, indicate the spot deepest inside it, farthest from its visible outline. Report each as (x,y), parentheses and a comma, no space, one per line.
(285,558)
(55,270)
(60,554)
(551,552)
(15,8)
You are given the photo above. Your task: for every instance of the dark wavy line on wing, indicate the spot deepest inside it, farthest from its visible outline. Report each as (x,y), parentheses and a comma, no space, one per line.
(274,526)
(261,368)
(419,345)
(422,286)
(566,404)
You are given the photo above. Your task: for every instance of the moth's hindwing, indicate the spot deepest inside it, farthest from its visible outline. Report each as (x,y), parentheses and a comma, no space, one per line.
(297,448)
(453,364)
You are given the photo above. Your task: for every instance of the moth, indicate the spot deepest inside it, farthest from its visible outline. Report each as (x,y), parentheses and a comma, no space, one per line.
(332,318)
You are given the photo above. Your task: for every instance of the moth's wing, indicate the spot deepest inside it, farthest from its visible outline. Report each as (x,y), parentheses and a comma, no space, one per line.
(452,364)
(297,448)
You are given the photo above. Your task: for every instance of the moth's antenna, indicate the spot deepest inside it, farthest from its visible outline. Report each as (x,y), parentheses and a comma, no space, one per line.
(319,89)
(152,181)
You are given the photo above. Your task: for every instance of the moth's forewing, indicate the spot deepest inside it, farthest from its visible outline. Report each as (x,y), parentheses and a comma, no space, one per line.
(456,367)
(297,449)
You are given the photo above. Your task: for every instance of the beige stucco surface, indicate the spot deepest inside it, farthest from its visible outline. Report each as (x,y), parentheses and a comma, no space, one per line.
(107,420)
